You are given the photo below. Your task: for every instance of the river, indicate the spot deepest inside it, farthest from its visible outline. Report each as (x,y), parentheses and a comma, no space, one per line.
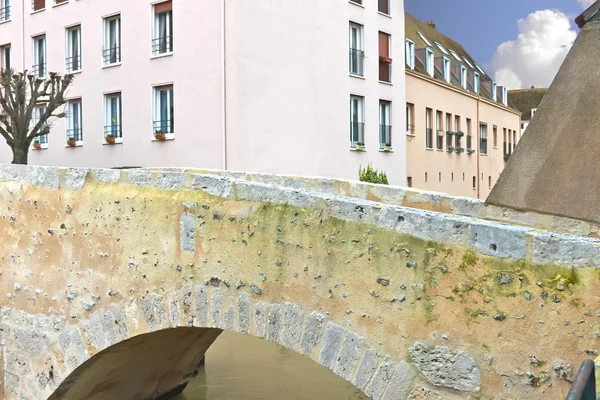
(244,367)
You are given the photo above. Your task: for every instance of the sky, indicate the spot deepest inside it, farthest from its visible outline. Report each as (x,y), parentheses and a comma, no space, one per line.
(520,43)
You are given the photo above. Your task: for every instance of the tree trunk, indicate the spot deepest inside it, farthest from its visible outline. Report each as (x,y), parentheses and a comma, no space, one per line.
(20,153)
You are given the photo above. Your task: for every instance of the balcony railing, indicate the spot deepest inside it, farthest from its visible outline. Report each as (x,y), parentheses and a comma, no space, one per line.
(76,133)
(5,13)
(73,63)
(357,62)
(164,126)
(39,70)
(385,136)
(429,138)
(113,130)
(357,133)
(111,55)
(162,45)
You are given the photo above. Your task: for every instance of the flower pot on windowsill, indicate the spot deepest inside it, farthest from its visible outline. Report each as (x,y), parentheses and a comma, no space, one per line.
(110,139)
(37,145)
(71,142)
(360,146)
(460,134)
(450,149)
(388,148)
(441,133)
(160,135)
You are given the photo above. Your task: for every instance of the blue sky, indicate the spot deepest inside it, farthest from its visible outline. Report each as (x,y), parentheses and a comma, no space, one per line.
(483,25)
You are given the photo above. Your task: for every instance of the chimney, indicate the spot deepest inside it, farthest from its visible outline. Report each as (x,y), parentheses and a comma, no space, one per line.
(430,23)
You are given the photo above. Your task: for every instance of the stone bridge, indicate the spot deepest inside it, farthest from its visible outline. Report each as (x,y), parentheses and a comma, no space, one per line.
(115,282)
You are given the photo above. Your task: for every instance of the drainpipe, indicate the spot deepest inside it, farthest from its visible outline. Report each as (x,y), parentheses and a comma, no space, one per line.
(223,86)
(478,126)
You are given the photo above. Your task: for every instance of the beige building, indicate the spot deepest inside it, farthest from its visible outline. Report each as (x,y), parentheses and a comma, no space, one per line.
(527,102)
(459,128)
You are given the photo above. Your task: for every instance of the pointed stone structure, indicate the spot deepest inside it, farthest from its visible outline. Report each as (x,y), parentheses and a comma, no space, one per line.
(555,169)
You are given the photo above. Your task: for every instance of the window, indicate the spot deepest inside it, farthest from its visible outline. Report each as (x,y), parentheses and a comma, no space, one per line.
(385,62)
(476,82)
(463,76)
(457,137)
(448,131)
(442,49)
(490,182)
(495,132)
(505,142)
(428,129)
(468,63)
(469,137)
(38,5)
(57,2)
(474,182)
(409,181)
(505,96)
(429,61)
(425,177)
(164,110)
(112,116)
(5,62)
(163,28)
(385,125)
(111,52)
(439,132)
(447,69)
(455,56)
(410,53)
(39,56)
(483,138)
(384,6)
(424,39)
(4,10)
(480,70)
(533,111)
(356,2)
(357,126)
(514,140)
(410,113)
(494,91)
(37,115)
(440,176)
(357,55)
(73,47)
(74,127)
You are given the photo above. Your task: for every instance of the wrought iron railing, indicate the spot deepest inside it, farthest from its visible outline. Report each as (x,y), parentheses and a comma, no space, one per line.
(111,55)
(357,133)
(39,70)
(429,138)
(76,134)
(584,385)
(385,136)
(357,62)
(113,130)
(4,13)
(73,63)
(164,126)
(162,44)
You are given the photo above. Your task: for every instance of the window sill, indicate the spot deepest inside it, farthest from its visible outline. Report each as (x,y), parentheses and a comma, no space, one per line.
(60,4)
(170,136)
(75,72)
(78,144)
(411,134)
(117,64)
(384,14)
(356,76)
(390,150)
(362,150)
(117,141)
(44,146)
(5,21)
(37,11)
(169,54)
(483,154)
(440,150)
(386,83)
(429,148)
(356,4)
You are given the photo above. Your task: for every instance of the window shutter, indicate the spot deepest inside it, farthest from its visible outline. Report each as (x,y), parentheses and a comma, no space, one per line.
(39,4)
(384,45)
(163,7)
(61,1)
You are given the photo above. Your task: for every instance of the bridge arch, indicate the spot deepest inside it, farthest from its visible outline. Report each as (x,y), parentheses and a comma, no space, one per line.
(187,321)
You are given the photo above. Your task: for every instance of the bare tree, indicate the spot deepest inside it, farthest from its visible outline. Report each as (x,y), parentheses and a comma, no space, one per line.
(20,93)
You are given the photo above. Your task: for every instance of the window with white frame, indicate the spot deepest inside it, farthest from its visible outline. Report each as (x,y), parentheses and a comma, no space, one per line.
(4,10)
(483,138)
(74,127)
(38,5)
(38,67)
(357,133)
(429,61)
(410,126)
(446,63)
(494,91)
(357,55)
(383,7)
(385,124)
(468,63)
(455,55)
(163,110)
(410,53)
(57,2)
(424,39)
(463,76)
(112,117)
(442,49)
(5,62)
(476,82)
(162,42)
(38,111)
(505,96)
(111,52)
(73,49)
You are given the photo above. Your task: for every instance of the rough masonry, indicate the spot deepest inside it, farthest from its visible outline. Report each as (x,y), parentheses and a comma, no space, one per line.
(401,302)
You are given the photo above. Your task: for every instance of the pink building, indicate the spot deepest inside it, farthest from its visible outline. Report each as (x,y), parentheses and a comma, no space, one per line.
(293,87)
(459,129)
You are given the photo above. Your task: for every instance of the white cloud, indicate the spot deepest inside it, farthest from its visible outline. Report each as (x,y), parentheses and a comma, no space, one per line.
(586,3)
(534,57)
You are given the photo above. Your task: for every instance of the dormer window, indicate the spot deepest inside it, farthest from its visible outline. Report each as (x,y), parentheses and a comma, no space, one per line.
(424,39)
(429,61)
(480,70)
(476,82)
(447,69)
(410,53)
(533,111)
(442,49)
(455,56)
(463,76)
(504,95)
(494,91)
(468,63)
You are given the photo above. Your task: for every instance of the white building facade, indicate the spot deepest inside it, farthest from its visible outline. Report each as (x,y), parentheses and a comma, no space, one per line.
(292,87)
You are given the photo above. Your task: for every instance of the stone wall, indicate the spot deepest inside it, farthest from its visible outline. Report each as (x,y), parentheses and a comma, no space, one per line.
(402,302)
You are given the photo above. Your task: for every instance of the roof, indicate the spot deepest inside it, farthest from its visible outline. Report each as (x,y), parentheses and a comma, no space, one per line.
(591,13)
(525,100)
(426,36)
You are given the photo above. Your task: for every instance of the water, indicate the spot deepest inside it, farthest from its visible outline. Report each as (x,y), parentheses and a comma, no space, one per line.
(244,367)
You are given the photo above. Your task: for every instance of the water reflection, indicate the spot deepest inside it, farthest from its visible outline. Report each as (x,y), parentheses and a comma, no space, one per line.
(244,367)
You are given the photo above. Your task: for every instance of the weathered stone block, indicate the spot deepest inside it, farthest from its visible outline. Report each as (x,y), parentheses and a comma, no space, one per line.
(75,178)
(313,330)
(274,323)
(349,356)
(332,339)
(174,312)
(244,313)
(140,177)
(292,325)
(201,314)
(107,175)
(498,240)
(211,184)
(575,251)
(250,191)
(365,371)
(215,308)
(467,206)
(261,313)
(46,177)
(187,232)
(170,180)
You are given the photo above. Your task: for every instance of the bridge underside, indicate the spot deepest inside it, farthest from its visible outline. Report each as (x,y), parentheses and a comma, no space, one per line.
(144,367)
